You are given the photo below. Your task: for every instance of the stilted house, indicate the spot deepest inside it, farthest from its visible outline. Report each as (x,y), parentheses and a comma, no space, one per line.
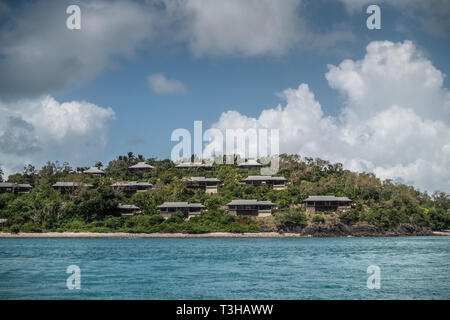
(69,187)
(3,222)
(277,183)
(131,186)
(208,184)
(194,165)
(94,171)
(141,167)
(326,203)
(250,164)
(127,210)
(167,209)
(250,207)
(17,188)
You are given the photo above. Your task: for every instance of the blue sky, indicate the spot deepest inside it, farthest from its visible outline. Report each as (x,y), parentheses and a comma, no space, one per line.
(113,73)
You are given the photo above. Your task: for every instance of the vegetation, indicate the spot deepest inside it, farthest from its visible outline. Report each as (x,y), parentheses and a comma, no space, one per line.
(379,203)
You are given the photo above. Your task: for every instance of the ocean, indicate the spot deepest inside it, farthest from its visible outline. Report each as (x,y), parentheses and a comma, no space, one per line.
(226,268)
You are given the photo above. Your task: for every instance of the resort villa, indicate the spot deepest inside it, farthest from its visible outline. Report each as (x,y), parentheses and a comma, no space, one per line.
(277,183)
(208,184)
(131,186)
(326,203)
(17,188)
(188,209)
(141,167)
(69,187)
(250,164)
(250,207)
(128,210)
(94,171)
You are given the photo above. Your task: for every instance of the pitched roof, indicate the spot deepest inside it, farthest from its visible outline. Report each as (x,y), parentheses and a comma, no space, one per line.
(6,184)
(193,165)
(200,179)
(264,178)
(142,165)
(24,185)
(130,184)
(181,205)
(93,170)
(70,184)
(327,198)
(127,206)
(250,162)
(249,202)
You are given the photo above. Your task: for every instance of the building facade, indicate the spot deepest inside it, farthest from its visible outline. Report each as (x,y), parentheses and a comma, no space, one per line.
(326,203)
(131,186)
(210,185)
(17,188)
(250,207)
(167,209)
(277,183)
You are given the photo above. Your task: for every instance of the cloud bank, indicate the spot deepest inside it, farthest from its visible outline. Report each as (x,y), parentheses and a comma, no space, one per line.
(395,121)
(39,129)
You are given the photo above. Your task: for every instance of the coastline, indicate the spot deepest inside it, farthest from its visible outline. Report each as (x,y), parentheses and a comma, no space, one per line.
(119,235)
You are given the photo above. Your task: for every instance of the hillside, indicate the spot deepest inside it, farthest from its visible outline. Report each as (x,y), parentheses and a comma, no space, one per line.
(380,208)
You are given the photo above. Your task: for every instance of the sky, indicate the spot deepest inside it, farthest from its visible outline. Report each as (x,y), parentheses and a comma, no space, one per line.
(375,100)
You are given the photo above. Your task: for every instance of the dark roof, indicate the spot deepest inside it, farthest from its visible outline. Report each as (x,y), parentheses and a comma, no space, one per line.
(127,206)
(6,184)
(250,163)
(264,178)
(93,170)
(70,184)
(327,198)
(203,179)
(181,205)
(24,185)
(193,165)
(142,165)
(249,202)
(130,184)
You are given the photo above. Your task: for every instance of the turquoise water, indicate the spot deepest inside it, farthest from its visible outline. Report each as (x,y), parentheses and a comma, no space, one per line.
(244,268)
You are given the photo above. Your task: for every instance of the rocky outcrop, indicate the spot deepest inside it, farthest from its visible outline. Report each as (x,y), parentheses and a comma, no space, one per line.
(339,229)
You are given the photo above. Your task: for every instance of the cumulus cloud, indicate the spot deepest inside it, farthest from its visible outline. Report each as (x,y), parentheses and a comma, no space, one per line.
(40,55)
(40,129)
(158,83)
(395,121)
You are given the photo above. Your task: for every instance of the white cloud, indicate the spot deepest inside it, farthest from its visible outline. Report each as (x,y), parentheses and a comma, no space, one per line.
(244,28)
(395,121)
(40,129)
(160,84)
(40,55)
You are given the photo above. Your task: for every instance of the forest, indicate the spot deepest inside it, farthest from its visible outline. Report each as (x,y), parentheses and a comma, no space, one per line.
(382,204)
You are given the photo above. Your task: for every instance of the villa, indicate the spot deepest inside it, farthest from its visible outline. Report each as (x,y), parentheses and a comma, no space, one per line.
(208,184)
(326,203)
(141,167)
(188,209)
(277,183)
(131,186)
(127,210)
(250,164)
(94,171)
(18,188)
(69,187)
(250,207)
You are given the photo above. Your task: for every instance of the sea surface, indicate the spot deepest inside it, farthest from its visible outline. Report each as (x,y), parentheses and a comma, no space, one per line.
(226,268)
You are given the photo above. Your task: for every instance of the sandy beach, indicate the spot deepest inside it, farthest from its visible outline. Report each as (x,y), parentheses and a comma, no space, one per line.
(164,235)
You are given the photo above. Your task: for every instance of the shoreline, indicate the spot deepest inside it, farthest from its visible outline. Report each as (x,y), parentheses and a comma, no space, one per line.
(120,235)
